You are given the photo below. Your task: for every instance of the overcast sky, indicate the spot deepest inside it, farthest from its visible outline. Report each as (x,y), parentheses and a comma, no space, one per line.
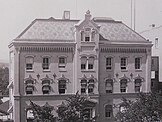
(16,15)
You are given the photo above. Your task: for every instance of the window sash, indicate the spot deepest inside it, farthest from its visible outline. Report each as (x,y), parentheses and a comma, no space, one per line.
(29,66)
(45,64)
(123,63)
(137,63)
(62,60)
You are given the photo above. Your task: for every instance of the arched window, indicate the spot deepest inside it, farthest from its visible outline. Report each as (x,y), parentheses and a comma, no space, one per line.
(109,86)
(91,86)
(83,62)
(91,63)
(123,85)
(93,35)
(83,86)
(87,34)
(137,85)
(62,86)
(108,111)
(46,86)
(29,86)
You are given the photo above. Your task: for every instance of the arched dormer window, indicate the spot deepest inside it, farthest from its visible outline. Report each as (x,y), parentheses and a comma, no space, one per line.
(109,86)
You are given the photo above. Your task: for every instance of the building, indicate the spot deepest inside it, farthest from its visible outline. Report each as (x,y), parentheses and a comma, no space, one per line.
(99,57)
(155,74)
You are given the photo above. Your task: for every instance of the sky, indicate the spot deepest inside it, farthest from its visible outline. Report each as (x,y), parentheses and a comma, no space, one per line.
(16,15)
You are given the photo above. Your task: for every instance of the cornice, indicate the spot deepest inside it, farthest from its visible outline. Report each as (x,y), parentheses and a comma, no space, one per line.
(122,50)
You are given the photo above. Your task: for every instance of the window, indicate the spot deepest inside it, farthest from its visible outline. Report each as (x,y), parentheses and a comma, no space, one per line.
(62,86)
(29,87)
(108,110)
(45,64)
(123,85)
(82,35)
(29,63)
(137,85)
(46,86)
(87,113)
(93,35)
(83,63)
(90,62)
(62,62)
(87,34)
(29,115)
(90,86)
(123,63)
(108,63)
(109,86)
(137,63)
(83,86)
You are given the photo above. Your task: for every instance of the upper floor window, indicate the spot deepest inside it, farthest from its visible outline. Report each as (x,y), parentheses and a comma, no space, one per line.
(29,86)
(62,86)
(91,63)
(87,87)
(45,64)
(46,86)
(138,63)
(87,63)
(108,111)
(108,63)
(91,86)
(123,86)
(29,63)
(109,86)
(83,86)
(83,63)
(137,85)
(123,63)
(87,35)
(62,62)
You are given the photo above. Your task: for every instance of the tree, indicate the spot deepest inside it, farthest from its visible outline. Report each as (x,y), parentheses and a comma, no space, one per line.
(73,109)
(42,113)
(146,108)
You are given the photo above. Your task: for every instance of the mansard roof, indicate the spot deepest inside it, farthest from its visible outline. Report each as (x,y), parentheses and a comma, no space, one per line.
(64,30)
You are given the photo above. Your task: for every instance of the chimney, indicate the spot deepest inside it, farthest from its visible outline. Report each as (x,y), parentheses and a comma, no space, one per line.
(66,15)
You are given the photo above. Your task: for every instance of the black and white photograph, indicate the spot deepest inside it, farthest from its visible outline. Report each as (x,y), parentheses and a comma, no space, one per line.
(80,61)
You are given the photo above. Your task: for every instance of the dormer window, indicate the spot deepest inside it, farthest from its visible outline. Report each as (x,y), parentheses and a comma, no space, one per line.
(87,35)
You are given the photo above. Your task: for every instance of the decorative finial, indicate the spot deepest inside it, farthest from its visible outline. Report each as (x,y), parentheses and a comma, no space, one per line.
(88,12)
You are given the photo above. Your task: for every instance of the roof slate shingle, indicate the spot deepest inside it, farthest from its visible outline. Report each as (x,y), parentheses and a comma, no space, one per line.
(56,29)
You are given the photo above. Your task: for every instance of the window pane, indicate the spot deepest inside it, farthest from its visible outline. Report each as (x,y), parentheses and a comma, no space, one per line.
(62,60)
(137,63)
(45,64)
(123,63)
(62,86)
(108,110)
(123,85)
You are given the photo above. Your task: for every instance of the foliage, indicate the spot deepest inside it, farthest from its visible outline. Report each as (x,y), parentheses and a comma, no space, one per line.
(146,108)
(72,110)
(42,113)
(4,80)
